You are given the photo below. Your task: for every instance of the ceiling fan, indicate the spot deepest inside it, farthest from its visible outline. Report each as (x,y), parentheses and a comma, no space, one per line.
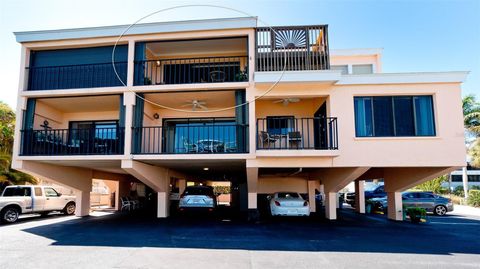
(287,101)
(196,104)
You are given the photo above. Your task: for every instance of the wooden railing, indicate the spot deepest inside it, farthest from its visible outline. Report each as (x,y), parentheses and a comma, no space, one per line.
(294,48)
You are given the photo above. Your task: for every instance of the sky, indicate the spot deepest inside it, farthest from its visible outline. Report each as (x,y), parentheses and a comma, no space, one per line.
(417,36)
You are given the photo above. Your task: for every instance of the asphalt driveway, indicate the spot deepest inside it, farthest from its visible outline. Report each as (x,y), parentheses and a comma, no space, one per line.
(134,241)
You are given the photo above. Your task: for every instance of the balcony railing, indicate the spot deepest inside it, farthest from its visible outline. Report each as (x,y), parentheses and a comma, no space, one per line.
(52,142)
(191,70)
(301,47)
(76,76)
(203,139)
(288,133)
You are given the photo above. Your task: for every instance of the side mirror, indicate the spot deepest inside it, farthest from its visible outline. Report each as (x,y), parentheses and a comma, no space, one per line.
(59,194)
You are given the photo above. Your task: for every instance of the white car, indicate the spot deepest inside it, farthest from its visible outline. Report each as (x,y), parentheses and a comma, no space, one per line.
(288,204)
(197,198)
(16,200)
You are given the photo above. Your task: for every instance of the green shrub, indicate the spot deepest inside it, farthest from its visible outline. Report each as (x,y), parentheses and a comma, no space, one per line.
(474,198)
(434,185)
(416,214)
(458,191)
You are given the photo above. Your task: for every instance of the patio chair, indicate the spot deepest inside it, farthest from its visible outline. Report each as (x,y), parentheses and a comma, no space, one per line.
(295,138)
(134,203)
(189,146)
(126,205)
(267,138)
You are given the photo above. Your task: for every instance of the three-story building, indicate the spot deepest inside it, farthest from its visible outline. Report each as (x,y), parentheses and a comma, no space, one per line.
(268,109)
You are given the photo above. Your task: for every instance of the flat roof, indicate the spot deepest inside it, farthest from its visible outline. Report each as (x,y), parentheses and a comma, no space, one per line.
(143,28)
(356,52)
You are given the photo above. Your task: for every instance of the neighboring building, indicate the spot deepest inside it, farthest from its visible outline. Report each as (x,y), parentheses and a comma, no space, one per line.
(473,176)
(334,118)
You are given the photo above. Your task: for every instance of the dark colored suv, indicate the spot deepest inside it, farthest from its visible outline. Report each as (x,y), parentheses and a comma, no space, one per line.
(371,191)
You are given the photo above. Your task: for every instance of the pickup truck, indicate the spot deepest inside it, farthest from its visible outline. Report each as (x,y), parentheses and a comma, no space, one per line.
(24,199)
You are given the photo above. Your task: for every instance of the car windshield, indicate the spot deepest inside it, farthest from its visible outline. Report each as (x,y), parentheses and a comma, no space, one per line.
(198,191)
(20,191)
(287,195)
(371,186)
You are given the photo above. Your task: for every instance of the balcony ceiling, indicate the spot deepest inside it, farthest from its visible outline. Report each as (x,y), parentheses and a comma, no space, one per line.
(83,104)
(192,48)
(213,99)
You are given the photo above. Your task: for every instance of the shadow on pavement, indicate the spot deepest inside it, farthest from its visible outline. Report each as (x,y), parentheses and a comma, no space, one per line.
(350,233)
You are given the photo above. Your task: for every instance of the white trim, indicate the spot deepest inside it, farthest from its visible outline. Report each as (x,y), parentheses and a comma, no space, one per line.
(356,52)
(404,78)
(299,76)
(144,28)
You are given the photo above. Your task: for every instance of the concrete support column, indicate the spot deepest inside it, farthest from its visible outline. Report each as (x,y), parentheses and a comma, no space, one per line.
(252,121)
(182,184)
(395,208)
(163,204)
(82,203)
(128,102)
(312,186)
(360,196)
(252,182)
(331,205)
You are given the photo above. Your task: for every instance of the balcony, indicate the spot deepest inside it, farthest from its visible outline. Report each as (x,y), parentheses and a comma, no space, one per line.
(214,60)
(191,138)
(60,142)
(289,133)
(191,70)
(300,47)
(76,76)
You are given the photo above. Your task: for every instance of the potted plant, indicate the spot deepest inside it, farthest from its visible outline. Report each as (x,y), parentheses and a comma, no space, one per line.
(241,76)
(416,214)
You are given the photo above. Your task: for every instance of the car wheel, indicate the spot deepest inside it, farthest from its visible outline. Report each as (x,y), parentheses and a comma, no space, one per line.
(10,215)
(440,210)
(69,209)
(44,214)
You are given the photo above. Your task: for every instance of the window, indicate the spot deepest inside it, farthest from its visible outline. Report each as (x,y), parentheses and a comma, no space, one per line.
(38,191)
(280,125)
(343,68)
(410,195)
(287,195)
(82,131)
(471,178)
(362,69)
(18,191)
(394,116)
(423,195)
(49,192)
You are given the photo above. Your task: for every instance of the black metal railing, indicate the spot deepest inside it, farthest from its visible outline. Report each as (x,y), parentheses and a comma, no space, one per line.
(191,70)
(300,47)
(52,142)
(76,76)
(194,139)
(297,133)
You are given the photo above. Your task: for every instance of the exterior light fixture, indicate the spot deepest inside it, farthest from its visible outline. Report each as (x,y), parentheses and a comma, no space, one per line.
(158,63)
(205,168)
(156,116)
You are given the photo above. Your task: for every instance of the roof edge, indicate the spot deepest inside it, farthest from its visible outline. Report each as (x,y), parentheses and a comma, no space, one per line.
(143,28)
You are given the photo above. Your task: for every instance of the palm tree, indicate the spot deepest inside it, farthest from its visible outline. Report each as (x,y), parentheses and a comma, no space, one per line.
(471,121)
(471,115)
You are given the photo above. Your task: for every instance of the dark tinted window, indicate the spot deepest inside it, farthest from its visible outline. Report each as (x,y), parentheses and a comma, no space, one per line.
(288,195)
(404,116)
(471,178)
(280,125)
(394,116)
(20,191)
(424,195)
(383,116)
(198,191)
(410,195)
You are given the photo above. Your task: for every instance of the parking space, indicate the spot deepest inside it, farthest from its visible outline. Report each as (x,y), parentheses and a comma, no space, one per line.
(125,240)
